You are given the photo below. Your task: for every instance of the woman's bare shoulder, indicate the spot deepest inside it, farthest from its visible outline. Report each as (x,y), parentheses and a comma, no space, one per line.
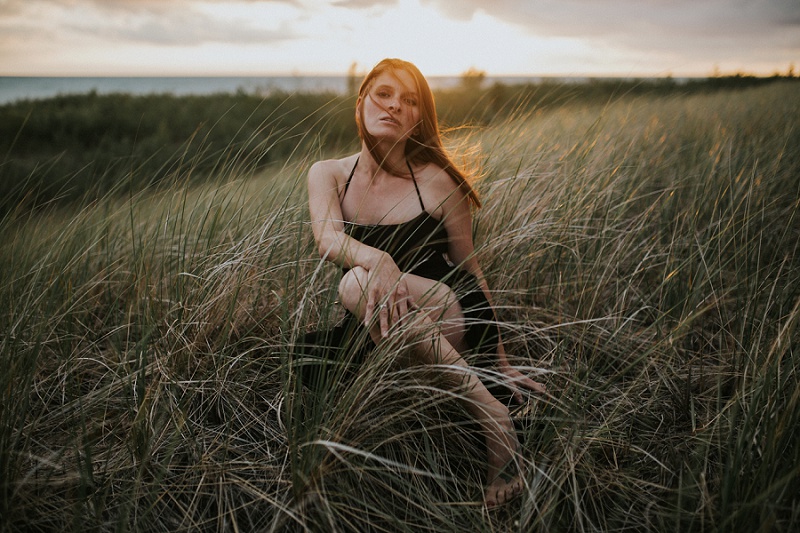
(336,169)
(437,181)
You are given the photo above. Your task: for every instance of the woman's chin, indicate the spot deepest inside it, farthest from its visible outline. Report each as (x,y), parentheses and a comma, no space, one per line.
(388,135)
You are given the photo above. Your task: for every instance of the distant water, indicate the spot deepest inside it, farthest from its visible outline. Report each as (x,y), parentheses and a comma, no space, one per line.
(19,88)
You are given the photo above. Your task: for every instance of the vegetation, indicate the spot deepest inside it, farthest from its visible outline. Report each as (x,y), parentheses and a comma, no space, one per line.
(78,148)
(643,250)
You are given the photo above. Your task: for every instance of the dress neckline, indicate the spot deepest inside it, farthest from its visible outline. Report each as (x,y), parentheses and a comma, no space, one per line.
(424,215)
(416,188)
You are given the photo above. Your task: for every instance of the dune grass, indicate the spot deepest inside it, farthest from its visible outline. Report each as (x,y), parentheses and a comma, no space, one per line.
(643,256)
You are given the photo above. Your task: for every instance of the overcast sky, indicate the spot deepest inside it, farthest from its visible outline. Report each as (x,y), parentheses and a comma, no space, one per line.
(443,37)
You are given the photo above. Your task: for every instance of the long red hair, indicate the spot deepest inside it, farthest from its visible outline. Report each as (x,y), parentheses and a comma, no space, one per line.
(425,145)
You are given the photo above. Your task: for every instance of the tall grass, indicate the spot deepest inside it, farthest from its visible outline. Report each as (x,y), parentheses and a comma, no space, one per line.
(644,260)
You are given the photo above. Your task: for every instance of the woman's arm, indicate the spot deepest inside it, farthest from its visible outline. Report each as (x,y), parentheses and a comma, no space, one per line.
(385,279)
(327,221)
(457,219)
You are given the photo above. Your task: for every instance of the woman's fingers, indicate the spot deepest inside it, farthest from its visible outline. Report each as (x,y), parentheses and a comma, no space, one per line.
(401,300)
(535,386)
(511,385)
(396,306)
(517,380)
(380,305)
(385,311)
(402,309)
(528,383)
(369,310)
(518,396)
(387,296)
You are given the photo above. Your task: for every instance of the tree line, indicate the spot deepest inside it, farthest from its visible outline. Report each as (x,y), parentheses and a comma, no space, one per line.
(79,147)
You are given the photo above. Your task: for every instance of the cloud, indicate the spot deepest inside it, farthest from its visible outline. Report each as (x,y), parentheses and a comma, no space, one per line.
(674,31)
(186,28)
(653,36)
(364,4)
(175,22)
(583,18)
(133,4)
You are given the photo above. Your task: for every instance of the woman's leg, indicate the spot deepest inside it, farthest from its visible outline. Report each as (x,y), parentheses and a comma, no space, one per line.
(435,332)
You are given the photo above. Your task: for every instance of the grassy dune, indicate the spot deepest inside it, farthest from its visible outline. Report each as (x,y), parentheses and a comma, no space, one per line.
(644,258)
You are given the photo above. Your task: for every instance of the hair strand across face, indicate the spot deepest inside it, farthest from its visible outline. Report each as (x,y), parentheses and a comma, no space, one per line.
(425,144)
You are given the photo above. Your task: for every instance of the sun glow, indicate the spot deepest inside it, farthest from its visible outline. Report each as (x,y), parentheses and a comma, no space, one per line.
(246,38)
(213,37)
(438,45)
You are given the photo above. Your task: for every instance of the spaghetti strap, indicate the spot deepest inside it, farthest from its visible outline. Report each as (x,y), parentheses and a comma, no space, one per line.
(350,177)
(414,179)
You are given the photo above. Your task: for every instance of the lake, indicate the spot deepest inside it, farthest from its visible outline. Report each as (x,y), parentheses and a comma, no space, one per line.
(14,88)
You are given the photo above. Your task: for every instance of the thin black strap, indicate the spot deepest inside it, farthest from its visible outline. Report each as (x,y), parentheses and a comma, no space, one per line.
(350,177)
(421,203)
(413,179)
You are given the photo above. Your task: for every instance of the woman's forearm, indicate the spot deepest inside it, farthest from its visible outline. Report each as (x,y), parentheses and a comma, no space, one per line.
(347,252)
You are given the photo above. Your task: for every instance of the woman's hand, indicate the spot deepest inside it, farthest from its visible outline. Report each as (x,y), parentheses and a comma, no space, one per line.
(386,290)
(516,380)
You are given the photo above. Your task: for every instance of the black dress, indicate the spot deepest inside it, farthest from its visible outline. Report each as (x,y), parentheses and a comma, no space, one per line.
(418,246)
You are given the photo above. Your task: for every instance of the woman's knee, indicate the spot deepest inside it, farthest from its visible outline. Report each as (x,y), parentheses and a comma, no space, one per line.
(352,288)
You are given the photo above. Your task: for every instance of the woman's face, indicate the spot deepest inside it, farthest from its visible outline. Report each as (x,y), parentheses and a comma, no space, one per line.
(390,108)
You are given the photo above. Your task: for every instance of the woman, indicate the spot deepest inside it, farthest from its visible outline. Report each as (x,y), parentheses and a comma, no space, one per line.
(396,217)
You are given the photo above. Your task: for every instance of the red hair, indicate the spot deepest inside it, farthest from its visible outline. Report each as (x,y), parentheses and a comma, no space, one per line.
(425,145)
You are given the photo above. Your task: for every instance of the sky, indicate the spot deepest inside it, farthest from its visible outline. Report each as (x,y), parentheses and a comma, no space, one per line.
(443,37)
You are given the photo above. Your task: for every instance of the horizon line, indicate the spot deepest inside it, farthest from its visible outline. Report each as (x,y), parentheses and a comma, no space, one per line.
(616,75)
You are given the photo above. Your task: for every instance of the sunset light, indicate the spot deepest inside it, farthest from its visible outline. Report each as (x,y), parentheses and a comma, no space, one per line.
(507,37)
(399,265)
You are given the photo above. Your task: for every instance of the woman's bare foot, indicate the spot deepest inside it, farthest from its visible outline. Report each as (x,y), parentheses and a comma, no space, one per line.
(504,477)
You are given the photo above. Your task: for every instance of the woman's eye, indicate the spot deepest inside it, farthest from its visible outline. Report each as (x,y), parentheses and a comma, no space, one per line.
(411,101)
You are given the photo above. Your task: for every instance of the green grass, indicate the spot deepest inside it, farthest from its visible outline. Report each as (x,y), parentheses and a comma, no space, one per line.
(644,258)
